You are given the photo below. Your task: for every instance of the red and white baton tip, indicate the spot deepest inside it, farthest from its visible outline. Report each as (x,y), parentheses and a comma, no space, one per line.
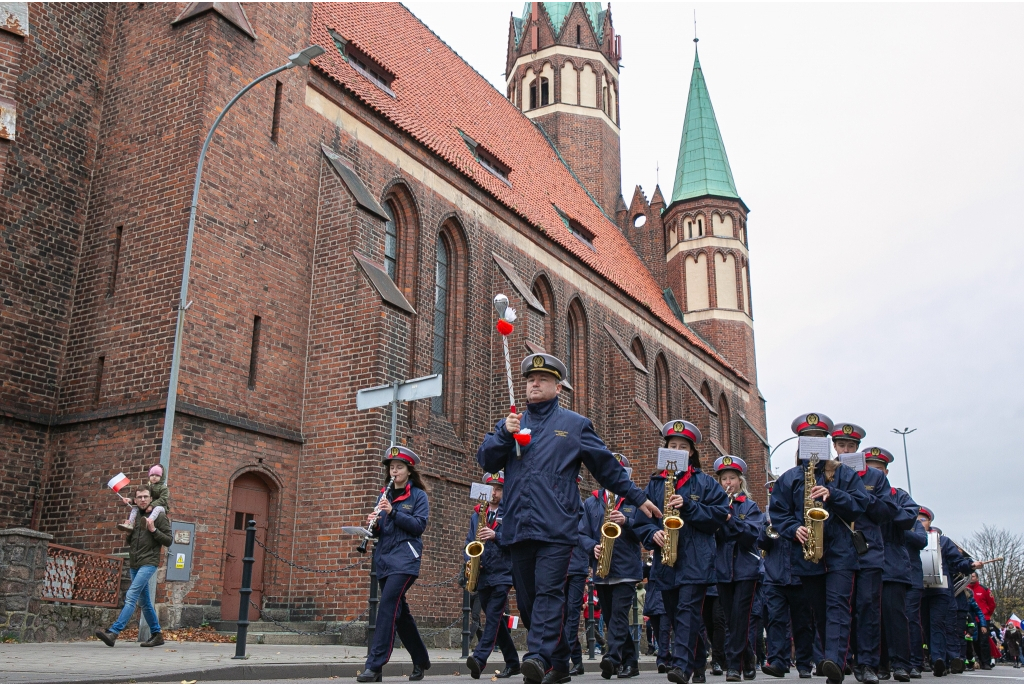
(523,437)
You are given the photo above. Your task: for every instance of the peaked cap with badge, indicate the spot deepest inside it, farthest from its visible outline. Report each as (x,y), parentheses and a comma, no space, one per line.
(878,454)
(848,431)
(402,454)
(495,478)
(544,362)
(729,462)
(681,428)
(927,512)
(812,421)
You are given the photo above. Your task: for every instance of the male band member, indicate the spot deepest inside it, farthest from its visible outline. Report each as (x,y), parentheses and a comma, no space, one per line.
(895,653)
(493,583)
(935,603)
(737,566)
(616,590)
(542,506)
(575,588)
(828,584)
(789,624)
(881,508)
(704,507)
(916,539)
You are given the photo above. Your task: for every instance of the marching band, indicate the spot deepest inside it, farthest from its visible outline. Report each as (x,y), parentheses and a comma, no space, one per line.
(853,577)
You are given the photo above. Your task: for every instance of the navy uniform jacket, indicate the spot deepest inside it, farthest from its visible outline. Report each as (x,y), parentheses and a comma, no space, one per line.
(626,562)
(916,539)
(847,498)
(778,560)
(400,546)
(897,567)
(953,562)
(881,509)
(542,501)
(579,565)
(705,507)
(737,557)
(654,605)
(496,561)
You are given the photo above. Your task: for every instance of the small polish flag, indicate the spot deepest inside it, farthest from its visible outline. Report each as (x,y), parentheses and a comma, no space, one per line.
(1015,620)
(513,622)
(118,482)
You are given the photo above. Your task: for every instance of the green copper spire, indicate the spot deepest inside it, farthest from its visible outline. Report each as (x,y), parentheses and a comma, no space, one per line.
(703,166)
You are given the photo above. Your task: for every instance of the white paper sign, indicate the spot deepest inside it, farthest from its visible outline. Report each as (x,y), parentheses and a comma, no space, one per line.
(809,446)
(479,492)
(855,460)
(681,458)
(355,530)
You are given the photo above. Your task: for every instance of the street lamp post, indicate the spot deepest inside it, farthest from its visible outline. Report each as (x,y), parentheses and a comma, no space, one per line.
(299,59)
(773,452)
(905,432)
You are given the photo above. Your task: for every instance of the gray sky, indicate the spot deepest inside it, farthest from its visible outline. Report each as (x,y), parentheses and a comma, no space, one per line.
(879,148)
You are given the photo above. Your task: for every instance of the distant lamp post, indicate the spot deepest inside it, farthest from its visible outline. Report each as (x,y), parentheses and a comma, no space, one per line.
(905,432)
(299,59)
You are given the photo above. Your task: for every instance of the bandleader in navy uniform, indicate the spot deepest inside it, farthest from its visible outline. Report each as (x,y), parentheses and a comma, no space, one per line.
(542,506)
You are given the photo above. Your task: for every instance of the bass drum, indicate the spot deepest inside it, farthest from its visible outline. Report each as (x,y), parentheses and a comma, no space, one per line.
(931,563)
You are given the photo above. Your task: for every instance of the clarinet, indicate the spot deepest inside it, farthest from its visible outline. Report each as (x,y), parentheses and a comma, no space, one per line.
(376,515)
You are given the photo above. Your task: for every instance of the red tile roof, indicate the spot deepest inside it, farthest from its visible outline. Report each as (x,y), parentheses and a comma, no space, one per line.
(437,94)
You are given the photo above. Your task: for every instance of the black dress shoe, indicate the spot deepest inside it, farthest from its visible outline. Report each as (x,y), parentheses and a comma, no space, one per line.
(716,669)
(533,670)
(676,675)
(939,668)
(369,676)
(699,677)
(662,668)
(858,673)
(417,671)
(915,673)
(805,675)
(773,670)
(107,637)
(749,674)
(509,672)
(884,674)
(733,676)
(554,676)
(629,671)
(956,665)
(868,676)
(577,669)
(474,667)
(608,668)
(901,675)
(831,671)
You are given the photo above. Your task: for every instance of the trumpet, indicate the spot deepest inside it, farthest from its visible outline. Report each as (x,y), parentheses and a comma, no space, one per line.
(671,521)
(609,533)
(376,516)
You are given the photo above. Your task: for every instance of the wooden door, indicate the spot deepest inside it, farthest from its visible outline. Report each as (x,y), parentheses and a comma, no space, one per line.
(250,499)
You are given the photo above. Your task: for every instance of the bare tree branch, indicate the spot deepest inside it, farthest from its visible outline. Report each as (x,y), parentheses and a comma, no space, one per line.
(1004,578)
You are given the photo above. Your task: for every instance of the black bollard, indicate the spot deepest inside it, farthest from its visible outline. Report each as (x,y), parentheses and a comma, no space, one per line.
(636,625)
(591,628)
(245,591)
(466,599)
(371,622)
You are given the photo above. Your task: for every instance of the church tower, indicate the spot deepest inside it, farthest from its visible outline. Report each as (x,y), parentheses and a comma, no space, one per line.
(705,227)
(562,71)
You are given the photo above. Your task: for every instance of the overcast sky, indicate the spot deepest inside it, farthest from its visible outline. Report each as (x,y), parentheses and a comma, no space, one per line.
(880,149)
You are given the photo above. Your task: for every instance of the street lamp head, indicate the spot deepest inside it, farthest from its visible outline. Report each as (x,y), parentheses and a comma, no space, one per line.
(301,59)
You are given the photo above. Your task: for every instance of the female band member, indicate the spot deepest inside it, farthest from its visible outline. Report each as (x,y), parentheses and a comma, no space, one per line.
(737,565)
(399,526)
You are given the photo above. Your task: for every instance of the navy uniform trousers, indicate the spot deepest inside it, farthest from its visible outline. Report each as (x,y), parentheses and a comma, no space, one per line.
(616,601)
(393,616)
(956,643)
(713,634)
(895,627)
(913,605)
(540,570)
(494,600)
(831,596)
(868,617)
(575,586)
(790,627)
(737,601)
(683,606)
(935,619)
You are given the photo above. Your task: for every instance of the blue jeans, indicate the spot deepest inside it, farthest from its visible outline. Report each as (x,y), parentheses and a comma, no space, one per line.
(139,590)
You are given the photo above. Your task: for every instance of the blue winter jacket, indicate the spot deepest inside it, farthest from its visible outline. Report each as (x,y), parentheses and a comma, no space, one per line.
(847,499)
(400,546)
(881,509)
(737,557)
(705,508)
(496,561)
(541,498)
(916,539)
(897,567)
(654,605)
(626,561)
(778,560)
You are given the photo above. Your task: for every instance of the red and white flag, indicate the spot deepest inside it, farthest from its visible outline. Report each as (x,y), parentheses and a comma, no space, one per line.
(513,622)
(118,482)
(1015,620)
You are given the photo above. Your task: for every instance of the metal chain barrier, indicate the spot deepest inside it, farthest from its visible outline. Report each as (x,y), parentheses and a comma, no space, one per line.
(443,582)
(274,554)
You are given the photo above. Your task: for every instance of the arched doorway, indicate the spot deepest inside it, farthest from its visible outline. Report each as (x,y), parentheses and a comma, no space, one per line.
(250,498)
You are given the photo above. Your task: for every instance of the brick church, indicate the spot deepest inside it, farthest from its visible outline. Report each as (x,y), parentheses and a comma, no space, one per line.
(355,220)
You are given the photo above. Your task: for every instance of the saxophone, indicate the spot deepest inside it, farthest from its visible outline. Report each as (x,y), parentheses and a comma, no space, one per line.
(671,521)
(475,551)
(609,532)
(814,515)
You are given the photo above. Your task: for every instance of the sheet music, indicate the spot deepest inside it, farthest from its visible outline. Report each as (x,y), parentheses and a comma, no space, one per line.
(480,492)
(680,457)
(855,460)
(809,446)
